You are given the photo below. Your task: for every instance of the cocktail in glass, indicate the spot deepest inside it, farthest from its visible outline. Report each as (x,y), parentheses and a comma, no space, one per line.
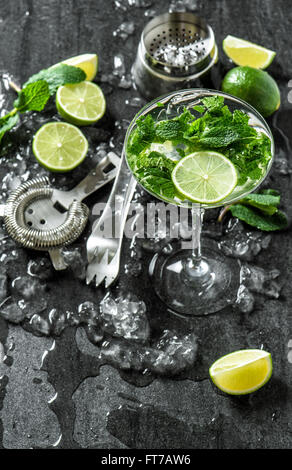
(195,281)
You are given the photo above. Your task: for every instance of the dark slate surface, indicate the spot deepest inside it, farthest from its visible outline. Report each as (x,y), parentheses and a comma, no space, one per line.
(70,402)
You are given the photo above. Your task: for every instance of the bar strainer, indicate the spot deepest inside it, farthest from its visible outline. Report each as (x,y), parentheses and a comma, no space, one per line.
(175,50)
(40,217)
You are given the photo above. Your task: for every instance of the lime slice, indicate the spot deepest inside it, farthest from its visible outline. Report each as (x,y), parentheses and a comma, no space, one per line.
(246,53)
(59,146)
(242,372)
(87,62)
(82,104)
(205,177)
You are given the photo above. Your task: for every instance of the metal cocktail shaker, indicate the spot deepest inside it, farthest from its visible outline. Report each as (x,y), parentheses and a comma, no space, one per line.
(175,50)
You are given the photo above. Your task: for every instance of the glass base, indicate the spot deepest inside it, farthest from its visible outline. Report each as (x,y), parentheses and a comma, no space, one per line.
(205,289)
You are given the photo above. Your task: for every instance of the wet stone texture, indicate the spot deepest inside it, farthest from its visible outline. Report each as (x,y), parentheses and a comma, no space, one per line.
(81,367)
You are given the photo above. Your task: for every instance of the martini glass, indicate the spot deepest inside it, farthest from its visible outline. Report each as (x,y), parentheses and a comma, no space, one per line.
(200,280)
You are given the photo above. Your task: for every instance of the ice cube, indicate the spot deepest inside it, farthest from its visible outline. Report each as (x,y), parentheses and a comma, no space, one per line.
(88,313)
(40,268)
(177,6)
(94,333)
(125,82)
(242,244)
(27,288)
(124,30)
(57,321)
(258,280)
(140,3)
(125,317)
(3,285)
(29,293)
(11,311)
(39,324)
(134,268)
(180,352)
(119,65)
(122,356)
(135,102)
(245,300)
(76,262)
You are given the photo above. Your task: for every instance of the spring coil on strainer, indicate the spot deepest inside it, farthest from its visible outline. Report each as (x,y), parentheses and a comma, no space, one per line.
(65,234)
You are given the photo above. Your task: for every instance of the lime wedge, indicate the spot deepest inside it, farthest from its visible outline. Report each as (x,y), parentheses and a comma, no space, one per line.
(242,372)
(59,146)
(81,104)
(87,62)
(205,177)
(246,53)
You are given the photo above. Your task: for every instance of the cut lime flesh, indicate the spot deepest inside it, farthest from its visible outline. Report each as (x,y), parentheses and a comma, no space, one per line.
(242,372)
(81,104)
(59,146)
(205,177)
(243,53)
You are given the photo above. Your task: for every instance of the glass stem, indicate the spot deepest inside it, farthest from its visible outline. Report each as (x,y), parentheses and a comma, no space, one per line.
(197,217)
(196,268)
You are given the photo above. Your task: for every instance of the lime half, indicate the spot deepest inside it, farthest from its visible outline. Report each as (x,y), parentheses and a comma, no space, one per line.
(206,177)
(59,146)
(81,104)
(242,372)
(246,53)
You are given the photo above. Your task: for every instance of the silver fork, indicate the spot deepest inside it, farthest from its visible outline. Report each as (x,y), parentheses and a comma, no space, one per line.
(104,253)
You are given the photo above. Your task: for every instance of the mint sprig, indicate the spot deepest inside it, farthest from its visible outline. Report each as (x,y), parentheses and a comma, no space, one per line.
(259,210)
(37,91)
(57,76)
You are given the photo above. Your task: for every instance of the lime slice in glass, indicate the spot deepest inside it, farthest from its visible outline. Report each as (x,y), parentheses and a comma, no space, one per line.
(206,177)
(242,372)
(59,146)
(246,53)
(81,104)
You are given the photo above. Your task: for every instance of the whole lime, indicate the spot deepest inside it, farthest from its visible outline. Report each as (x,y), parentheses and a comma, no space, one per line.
(254,86)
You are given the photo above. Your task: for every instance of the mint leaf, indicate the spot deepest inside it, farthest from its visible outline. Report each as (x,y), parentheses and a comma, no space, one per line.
(6,123)
(169,130)
(153,160)
(224,135)
(57,76)
(213,103)
(33,97)
(265,202)
(260,220)
(200,109)
(157,181)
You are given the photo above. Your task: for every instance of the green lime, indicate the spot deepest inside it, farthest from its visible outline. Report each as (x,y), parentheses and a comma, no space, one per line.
(206,177)
(59,146)
(81,104)
(242,372)
(254,86)
(246,53)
